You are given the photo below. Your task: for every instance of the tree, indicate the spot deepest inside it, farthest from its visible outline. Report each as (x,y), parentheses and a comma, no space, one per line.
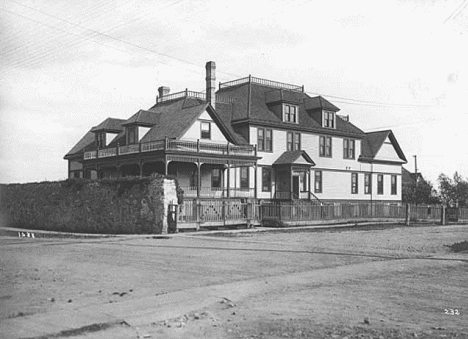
(421,192)
(453,191)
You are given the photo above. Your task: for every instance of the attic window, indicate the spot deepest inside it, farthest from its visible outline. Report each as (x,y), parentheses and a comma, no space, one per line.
(205,130)
(328,119)
(290,113)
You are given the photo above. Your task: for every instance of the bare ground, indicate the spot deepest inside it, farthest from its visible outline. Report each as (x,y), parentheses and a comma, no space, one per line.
(400,282)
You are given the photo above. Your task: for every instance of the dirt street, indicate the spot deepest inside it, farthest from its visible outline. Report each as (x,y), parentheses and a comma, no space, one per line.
(372,282)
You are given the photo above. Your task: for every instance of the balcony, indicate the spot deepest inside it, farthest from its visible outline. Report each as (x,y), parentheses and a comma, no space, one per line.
(185,146)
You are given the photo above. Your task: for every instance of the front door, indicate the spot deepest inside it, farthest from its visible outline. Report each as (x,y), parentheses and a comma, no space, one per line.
(295,187)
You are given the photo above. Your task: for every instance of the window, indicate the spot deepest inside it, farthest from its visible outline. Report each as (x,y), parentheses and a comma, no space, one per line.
(354,183)
(367,183)
(216,178)
(244,177)
(261,139)
(290,113)
(205,130)
(265,139)
(348,148)
(394,184)
(325,146)
(132,135)
(268,140)
(303,177)
(194,178)
(101,140)
(297,141)
(318,182)
(293,141)
(328,119)
(380,184)
(266,179)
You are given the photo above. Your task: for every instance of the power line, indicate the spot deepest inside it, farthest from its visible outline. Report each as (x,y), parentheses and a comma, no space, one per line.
(451,15)
(78,38)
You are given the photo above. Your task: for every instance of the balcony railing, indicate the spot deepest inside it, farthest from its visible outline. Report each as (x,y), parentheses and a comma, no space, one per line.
(174,145)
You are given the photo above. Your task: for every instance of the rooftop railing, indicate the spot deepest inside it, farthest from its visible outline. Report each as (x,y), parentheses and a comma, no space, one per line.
(263,82)
(193,95)
(174,145)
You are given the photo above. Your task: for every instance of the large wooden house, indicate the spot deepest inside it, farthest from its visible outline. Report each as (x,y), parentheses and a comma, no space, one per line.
(250,138)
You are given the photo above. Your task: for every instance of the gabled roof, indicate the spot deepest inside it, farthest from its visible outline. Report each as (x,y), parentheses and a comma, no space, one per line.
(371,145)
(409,178)
(87,140)
(176,117)
(251,106)
(143,118)
(110,125)
(291,157)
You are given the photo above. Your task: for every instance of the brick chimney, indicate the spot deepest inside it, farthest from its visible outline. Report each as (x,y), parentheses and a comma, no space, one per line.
(211,83)
(163,90)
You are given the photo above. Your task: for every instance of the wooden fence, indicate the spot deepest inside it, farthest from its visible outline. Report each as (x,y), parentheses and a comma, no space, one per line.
(225,212)
(215,213)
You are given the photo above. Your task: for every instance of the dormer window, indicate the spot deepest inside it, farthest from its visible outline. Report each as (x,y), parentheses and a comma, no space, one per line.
(101,140)
(328,119)
(290,113)
(132,135)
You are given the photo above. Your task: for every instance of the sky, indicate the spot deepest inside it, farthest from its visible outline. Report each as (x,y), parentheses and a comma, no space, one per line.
(65,66)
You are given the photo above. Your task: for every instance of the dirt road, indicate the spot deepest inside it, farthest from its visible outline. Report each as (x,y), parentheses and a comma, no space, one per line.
(394,282)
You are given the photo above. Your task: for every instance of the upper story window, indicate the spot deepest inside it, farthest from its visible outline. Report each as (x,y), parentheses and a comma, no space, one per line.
(290,113)
(328,119)
(132,135)
(349,148)
(205,127)
(265,139)
(293,141)
(325,147)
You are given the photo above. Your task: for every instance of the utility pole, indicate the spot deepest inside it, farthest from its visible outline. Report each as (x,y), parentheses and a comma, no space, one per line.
(416,168)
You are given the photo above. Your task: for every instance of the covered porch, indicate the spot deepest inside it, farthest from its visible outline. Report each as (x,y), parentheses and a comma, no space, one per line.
(293,176)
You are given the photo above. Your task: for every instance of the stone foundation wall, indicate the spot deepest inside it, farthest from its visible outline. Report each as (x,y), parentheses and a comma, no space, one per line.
(109,206)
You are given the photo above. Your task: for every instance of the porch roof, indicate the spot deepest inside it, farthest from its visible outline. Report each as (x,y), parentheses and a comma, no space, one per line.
(294,158)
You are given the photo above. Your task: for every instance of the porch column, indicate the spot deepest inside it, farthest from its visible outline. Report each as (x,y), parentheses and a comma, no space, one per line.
(228,179)
(198,178)
(141,167)
(308,179)
(166,165)
(255,181)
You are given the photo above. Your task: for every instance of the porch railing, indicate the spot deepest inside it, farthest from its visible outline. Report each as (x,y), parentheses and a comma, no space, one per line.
(215,192)
(174,145)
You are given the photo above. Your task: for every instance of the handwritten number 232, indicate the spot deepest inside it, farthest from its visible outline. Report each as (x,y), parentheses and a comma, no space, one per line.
(451,311)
